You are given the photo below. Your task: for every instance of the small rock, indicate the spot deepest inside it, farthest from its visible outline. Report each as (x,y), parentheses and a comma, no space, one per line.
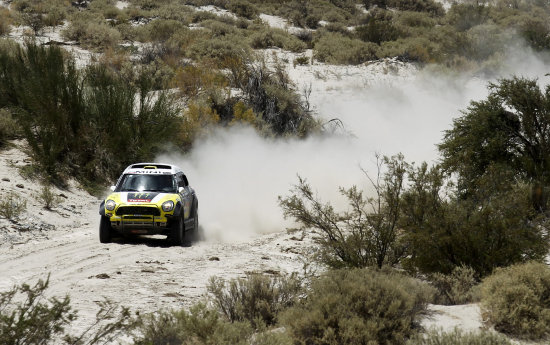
(102,276)
(5,179)
(272,272)
(265,258)
(118,272)
(214,258)
(63,196)
(19,185)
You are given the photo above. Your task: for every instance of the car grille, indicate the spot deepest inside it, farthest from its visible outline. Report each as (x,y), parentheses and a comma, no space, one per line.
(137,210)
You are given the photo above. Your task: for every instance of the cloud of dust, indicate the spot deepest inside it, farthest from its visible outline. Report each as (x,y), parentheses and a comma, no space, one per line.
(238,175)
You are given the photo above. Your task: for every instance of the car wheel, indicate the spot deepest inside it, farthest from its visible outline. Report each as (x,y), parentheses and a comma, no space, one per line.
(177,233)
(105,230)
(195,235)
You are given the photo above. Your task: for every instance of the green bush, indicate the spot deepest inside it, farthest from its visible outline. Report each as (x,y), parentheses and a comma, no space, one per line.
(367,233)
(9,128)
(218,28)
(494,226)
(429,6)
(88,123)
(5,21)
(515,300)
(219,48)
(162,30)
(417,49)
(257,299)
(200,326)
(358,306)
(457,337)
(457,287)
(48,198)
(536,32)
(91,31)
(243,8)
(270,92)
(12,206)
(378,27)
(337,49)
(28,316)
(35,321)
(465,16)
(268,38)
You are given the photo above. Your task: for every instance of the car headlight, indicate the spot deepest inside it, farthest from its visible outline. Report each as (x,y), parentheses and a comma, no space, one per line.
(110,205)
(168,206)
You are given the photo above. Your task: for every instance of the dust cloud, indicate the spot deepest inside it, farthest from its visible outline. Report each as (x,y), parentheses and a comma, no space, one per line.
(239,175)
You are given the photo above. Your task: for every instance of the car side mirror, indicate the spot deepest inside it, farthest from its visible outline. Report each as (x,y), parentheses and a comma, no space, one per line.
(180,189)
(112,188)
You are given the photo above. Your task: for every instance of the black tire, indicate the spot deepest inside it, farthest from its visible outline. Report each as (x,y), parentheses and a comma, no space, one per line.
(195,232)
(105,230)
(177,233)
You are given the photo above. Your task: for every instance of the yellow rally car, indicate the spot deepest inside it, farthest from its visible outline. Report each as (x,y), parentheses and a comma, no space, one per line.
(150,199)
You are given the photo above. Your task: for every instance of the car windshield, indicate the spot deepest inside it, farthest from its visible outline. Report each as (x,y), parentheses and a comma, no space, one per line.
(147,183)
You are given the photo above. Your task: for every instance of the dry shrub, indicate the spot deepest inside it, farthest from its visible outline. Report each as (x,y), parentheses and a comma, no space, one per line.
(202,325)
(197,120)
(114,59)
(457,337)
(48,198)
(358,306)
(267,38)
(457,287)
(9,129)
(192,80)
(244,115)
(5,21)
(516,300)
(91,31)
(257,298)
(335,48)
(243,8)
(219,48)
(418,49)
(12,206)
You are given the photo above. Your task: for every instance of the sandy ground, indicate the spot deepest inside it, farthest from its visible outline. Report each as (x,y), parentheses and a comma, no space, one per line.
(144,273)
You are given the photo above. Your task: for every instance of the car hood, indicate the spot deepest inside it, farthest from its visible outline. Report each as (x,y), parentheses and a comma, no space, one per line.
(138,197)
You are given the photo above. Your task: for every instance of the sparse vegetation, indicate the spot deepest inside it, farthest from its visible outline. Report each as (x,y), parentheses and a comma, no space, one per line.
(338,49)
(515,300)
(36,320)
(78,128)
(28,316)
(9,128)
(12,206)
(366,235)
(358,306)
(48,198)
(257,299)
(457,337)
(459,287)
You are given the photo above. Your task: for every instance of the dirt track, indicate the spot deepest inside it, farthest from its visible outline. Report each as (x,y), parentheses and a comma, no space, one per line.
(144,274)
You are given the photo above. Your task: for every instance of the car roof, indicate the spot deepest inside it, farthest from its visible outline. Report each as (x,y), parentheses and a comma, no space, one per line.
(152,168)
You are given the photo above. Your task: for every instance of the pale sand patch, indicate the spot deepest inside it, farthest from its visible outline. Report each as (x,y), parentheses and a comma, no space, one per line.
(447,317)
(217,11)
(122,4)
